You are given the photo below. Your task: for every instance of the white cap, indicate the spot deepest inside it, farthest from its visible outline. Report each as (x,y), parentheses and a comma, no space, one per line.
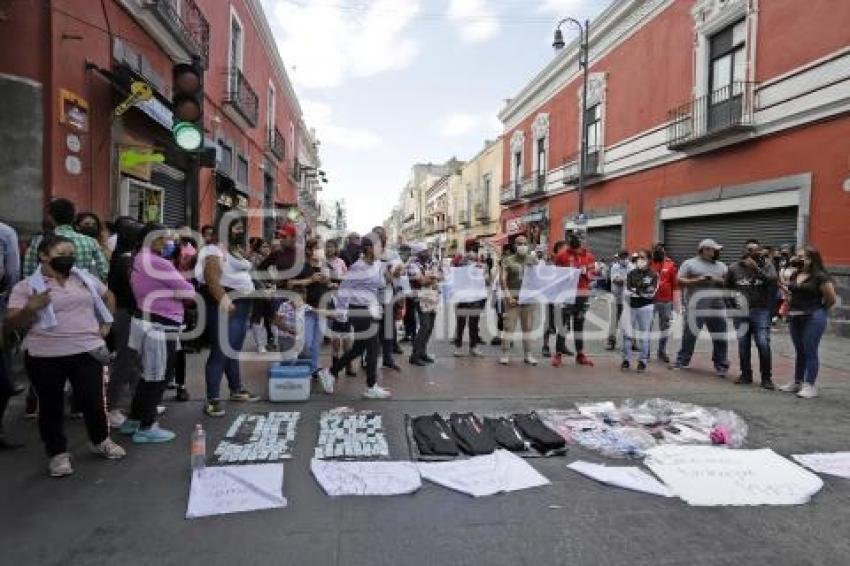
(709,243)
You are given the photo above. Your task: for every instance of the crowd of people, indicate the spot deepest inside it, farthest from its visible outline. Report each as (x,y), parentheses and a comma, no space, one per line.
(104,314)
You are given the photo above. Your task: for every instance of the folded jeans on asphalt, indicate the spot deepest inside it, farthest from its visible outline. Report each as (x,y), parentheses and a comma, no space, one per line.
(506,434)
(472,436)
(543,439)
(433,436)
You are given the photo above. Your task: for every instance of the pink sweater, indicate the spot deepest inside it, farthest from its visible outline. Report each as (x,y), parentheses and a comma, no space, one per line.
(155,274)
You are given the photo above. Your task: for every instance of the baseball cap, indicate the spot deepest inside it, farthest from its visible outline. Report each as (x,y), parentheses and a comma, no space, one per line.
(709,243)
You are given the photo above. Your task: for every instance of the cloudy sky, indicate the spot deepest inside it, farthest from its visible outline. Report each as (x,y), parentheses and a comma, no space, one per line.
(389,83)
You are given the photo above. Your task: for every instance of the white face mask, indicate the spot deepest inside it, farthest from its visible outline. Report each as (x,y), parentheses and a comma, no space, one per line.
(642,263)
(522,250)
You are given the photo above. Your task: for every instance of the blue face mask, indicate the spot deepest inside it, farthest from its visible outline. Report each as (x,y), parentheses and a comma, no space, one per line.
(168,249)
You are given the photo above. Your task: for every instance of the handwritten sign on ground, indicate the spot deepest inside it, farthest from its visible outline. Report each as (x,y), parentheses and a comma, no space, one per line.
(366,478)
(257,438)
(235,489)
(549,284)
(499,472)
(833,464)
(708,475)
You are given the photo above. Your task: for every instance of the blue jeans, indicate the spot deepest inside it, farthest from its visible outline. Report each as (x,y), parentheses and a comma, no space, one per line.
(235,327)
(754,328)
(806,332)
(313,338)
(716,325)
(637,326)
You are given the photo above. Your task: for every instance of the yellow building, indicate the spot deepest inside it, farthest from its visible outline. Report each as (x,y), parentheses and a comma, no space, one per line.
(475,208)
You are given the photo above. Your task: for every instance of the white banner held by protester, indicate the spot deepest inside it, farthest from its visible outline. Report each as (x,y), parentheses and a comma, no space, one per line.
(466,284)
(549,284)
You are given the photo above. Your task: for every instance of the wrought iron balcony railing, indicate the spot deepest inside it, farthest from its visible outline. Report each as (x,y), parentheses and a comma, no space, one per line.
(276,144)
(725,111)
(482,211)
(187,23)
(242,97)
(511,192)
(592,166)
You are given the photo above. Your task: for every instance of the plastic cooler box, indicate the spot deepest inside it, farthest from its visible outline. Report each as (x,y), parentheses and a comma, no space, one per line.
(290,381)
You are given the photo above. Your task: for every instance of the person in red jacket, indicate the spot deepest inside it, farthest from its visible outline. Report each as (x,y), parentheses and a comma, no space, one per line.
(576,256)
(666,300)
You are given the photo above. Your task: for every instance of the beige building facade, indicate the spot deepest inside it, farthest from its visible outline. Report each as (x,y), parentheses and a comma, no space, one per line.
(475,205)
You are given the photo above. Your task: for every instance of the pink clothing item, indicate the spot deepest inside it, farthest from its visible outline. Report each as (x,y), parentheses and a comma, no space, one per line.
(77,330)
(186,257)
(155,274)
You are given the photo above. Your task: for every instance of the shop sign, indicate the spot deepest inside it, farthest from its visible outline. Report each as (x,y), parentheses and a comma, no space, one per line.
(157,112)
(73,110)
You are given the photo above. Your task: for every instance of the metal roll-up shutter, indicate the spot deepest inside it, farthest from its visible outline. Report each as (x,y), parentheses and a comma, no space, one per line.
(173,184)
(772,227)
(605,241)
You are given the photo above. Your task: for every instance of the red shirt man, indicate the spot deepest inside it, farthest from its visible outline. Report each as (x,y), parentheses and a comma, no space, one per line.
(578,257)
(667,277)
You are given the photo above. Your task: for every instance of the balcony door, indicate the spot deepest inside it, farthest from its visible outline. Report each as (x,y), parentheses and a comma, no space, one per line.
(728,73)
(236,52)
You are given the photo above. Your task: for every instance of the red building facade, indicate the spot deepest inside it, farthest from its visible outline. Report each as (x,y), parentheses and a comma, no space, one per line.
(65,65)
(706,118)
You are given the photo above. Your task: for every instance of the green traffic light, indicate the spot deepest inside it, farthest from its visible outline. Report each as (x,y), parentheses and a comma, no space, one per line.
(187,135)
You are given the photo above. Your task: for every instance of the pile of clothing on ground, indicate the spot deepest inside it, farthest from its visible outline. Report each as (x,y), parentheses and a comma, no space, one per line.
(629,430)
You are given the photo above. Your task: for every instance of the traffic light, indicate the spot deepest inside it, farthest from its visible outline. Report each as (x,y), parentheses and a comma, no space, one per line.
(187,99)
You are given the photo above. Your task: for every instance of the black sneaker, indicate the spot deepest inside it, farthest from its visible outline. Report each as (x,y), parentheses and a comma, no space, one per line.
(625,366)
(611,346)
(213,409)
(664,358)
(768,384)
(641,367)
(181,396)
(546,352)
(496,341)
(676,366)
(744,380)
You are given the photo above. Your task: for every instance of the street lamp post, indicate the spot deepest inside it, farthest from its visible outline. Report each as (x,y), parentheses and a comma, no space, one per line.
(583,61)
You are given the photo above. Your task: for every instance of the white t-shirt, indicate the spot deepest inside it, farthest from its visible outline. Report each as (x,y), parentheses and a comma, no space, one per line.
(235,272)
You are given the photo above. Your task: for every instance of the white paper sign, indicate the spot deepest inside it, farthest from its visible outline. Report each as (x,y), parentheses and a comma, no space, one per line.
(366,478)
(466,284)
(627,477)
(833,464)
(235,489)
(501,471)
(549,284)
(709,475)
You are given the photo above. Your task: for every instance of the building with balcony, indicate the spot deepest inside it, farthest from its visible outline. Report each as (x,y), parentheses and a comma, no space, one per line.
(412,199)
(476,195)
(66,65)
(726,119)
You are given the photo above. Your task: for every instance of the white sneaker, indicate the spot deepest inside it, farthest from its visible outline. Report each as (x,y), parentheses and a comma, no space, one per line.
(792,387)
(160,410)
(326,378)
(505,360)
(475,353)
(60,466)
(458,353)
(808,391)
(376,392)
(262,350)
(116,418)
(530,360)
(109,450)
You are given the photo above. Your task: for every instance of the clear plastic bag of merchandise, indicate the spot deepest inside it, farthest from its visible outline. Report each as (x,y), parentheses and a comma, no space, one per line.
(729,429)
(617,442)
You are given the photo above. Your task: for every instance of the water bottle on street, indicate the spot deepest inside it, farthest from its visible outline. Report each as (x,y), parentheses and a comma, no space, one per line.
(199,448)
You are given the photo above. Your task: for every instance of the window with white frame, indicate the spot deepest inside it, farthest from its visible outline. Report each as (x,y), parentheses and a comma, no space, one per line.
(541,150)
(270,114)
(517,149)
(236,48)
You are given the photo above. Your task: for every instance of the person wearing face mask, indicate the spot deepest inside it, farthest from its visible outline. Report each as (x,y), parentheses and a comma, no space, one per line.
(618,271)
(220,270)
(59,216)
(424,275)
(640,288)
(577,257)
(666,299)
(184,260)
(811,295)
(703,279)
(512,273)
(784,271)
(409,321)
(470,311)
(88,223)
(359,296)
(752,279)
(160,291)
(394,267)
(64,312)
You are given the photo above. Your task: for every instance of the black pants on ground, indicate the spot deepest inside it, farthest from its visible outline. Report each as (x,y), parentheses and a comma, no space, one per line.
(410,318)
(148,394)
(471,311)
(423,335)
(48,377)
(366,339)
(574,317)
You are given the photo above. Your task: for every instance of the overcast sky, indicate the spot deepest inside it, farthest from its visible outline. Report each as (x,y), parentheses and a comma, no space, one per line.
(389,83)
